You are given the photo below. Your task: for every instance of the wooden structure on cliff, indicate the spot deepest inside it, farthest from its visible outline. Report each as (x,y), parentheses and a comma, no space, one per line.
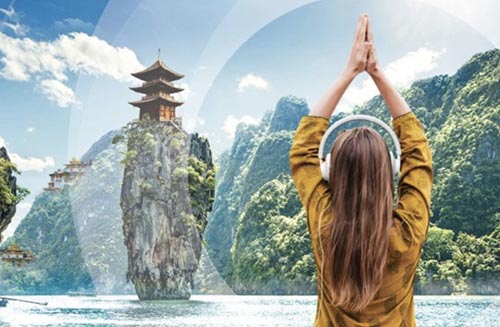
(13,254)
(69,174)
(158,102)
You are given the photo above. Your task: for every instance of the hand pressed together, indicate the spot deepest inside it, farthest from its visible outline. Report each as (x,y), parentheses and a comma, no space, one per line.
(363,54)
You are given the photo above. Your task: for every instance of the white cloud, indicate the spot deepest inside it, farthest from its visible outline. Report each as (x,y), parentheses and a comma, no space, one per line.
(356,95)
(252,80)
(16,27)
(231,122)
(10,13)
(48,62)
(57,92)
(405,70)
(401,72)
(185,94)
(190,123)
(30,130)
(12,22)
(31,163)
(72,24)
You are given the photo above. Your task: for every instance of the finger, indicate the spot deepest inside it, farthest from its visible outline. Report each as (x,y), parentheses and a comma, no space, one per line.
(362,32)
(367,45)
(369,34)
(372,55)
(358,28)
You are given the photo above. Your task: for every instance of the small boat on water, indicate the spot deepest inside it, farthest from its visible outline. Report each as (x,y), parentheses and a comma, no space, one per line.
(81,293)
(5,300)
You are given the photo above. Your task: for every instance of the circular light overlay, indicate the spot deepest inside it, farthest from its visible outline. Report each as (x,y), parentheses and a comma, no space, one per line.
(237,74)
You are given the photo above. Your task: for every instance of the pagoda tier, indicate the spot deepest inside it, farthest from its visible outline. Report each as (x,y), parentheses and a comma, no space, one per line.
(159,112)
(156,99)
(156,71)
(156,86)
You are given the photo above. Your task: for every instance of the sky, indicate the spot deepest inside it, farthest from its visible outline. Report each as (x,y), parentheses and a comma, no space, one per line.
(65,65)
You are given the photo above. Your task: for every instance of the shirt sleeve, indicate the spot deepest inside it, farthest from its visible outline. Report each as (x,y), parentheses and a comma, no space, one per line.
(416,177)
(313,191)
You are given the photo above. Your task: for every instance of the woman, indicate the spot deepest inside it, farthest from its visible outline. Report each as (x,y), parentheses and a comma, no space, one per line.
(366,251)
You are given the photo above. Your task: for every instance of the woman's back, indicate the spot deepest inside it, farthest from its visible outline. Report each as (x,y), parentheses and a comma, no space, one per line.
(393,303)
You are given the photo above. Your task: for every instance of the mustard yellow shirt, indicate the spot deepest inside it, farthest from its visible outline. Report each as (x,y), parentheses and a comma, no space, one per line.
(393,304)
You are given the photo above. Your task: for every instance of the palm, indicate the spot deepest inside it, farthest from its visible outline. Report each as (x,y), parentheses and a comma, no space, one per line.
(371,61)
(360,47)
(363,56)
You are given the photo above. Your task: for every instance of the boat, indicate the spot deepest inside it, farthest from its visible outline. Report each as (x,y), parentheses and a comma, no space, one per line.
(5,300)
(81,293)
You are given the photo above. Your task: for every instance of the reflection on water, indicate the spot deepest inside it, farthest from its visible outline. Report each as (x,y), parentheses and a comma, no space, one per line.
(227,310)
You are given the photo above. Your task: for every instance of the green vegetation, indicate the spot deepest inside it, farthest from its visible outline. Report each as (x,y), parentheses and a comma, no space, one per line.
(10,192)
(48,231)
(257,247)
(201,180)
(9,198)
(459,263)
(272,251)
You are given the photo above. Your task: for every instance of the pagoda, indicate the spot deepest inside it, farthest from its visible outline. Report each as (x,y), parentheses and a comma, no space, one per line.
(70,173)
(158,102)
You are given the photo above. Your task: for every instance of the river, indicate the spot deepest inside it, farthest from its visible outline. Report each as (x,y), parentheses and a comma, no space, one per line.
(227,310)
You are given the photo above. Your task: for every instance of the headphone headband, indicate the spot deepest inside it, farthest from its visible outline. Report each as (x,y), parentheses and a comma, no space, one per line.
(360,117)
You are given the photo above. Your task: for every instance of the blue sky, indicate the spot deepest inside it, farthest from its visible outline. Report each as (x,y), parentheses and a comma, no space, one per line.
(65,65)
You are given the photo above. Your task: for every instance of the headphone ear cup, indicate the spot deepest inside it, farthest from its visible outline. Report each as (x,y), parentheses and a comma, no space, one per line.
(398,166)
(395,165)
(325,168)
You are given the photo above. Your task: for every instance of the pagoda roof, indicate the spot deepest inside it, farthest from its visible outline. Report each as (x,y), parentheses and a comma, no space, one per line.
(57,172)
(159,99)
(158,69)
(156,85)
(74,162)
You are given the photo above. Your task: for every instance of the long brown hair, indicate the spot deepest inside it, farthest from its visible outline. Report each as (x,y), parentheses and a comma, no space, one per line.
(362,188)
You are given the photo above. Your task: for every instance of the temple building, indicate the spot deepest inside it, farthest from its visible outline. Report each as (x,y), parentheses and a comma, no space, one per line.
(157,87)
(71,172)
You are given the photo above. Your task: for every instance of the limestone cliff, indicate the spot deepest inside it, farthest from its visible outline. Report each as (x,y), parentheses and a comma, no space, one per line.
(167,191)
(8,190)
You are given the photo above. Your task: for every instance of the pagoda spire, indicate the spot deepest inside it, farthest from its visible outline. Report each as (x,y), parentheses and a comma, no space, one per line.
(158,102)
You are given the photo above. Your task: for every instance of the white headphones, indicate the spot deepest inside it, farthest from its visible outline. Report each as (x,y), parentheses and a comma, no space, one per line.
(324,162)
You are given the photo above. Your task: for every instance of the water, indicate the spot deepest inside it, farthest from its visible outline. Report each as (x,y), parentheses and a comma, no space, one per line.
(227,310)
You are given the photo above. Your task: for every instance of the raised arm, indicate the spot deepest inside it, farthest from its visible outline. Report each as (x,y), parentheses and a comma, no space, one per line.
(416,178)
(304,162)
(355,65)
(397,105)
